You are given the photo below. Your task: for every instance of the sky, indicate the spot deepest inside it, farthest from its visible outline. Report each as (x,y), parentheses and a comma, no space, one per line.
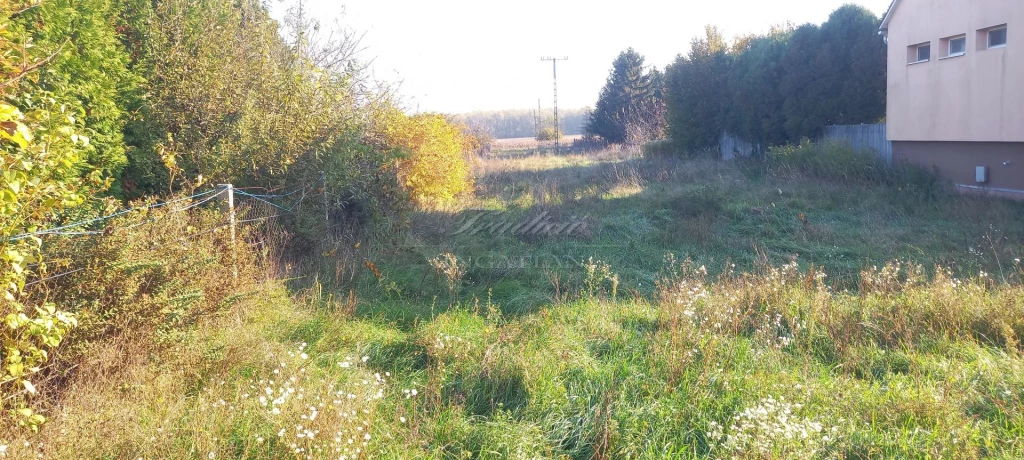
(457,56)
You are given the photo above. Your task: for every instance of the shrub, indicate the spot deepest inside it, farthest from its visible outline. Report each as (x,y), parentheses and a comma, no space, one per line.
(663,147)
(547,134)
(433,167)
(898,307)
(152,272)
(42,156)
(830,160)
(143,283)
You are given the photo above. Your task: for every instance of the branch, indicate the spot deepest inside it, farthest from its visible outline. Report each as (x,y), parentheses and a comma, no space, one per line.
(24,9)
(26,70)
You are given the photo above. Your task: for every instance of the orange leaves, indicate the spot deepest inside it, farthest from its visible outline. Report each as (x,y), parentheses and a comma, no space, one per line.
(373,268)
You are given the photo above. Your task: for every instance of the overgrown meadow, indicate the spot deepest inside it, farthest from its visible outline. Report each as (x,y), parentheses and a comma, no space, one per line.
(708,310)
(383,285)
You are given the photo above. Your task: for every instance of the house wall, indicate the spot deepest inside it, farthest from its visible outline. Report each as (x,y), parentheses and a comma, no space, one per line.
(956,161)
(977,97)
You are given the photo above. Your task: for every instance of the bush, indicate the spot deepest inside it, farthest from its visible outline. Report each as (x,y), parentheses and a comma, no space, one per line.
(42,156)
(153,272)
(663,147)
(143,283)
(433,164)
(548,134)
(830,160)
(897,307)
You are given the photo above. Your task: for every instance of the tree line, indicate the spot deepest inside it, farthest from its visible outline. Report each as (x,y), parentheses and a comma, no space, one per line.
(772,89)
(512,124)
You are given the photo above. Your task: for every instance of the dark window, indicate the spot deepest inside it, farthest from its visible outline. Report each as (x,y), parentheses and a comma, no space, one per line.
(957,46)
(924,53)
(997,38)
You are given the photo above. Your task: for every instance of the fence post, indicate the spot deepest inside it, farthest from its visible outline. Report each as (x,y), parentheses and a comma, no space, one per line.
(230,189)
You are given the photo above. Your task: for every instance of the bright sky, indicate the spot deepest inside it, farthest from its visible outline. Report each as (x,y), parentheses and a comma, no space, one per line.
(456,56)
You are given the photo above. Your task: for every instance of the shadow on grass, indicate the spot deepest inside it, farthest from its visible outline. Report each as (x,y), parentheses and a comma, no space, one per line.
(718,214)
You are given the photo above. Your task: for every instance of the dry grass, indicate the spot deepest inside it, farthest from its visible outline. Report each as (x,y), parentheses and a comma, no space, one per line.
(529,143)
(772,359)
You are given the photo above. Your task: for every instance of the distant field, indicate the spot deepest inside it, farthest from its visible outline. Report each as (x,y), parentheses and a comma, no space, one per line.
(529,143)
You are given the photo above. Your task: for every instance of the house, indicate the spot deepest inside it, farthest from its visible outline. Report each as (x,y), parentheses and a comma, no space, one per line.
(956,90)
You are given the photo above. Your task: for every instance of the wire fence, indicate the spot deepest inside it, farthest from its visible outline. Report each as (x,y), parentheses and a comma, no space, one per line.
(280,204)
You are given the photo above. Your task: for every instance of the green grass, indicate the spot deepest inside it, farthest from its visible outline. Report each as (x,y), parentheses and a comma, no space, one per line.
(716,214)
(776,327)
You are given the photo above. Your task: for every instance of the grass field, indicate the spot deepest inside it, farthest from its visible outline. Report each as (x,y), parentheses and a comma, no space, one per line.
(703,310)
(722,216)
(522,146)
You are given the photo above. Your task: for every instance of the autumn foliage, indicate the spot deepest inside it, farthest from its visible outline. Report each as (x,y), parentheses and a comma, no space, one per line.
(434,166)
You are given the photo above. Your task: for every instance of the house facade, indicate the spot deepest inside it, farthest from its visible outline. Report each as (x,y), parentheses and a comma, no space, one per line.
(956,90)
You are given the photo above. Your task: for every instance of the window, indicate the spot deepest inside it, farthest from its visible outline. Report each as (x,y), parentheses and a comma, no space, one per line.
(924,52)
(919,53)
(957,46)
(997,37)
(950,47)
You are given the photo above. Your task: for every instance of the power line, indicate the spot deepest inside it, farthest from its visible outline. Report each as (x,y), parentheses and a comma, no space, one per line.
(554,73)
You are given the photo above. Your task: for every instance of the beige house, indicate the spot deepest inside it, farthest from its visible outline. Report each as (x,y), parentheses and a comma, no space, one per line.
(956,90)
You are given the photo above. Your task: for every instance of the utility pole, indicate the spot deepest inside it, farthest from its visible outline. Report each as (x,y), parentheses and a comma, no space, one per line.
(554,72)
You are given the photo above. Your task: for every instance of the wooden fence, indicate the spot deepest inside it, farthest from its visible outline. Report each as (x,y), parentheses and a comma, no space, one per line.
(862,137)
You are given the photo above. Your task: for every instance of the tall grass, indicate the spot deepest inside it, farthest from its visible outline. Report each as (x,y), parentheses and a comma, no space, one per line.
(838,161)
(395,349)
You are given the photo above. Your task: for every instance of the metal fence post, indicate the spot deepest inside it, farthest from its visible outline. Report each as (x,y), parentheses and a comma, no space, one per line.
(231,219)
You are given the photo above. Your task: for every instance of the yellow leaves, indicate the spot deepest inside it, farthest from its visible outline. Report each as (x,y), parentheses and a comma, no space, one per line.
(29,419)
(435,167)
(11,127)
(41,156)
(9,112)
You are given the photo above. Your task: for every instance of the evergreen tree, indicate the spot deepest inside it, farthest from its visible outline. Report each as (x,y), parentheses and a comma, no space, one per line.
(835,74)
(804,87)
(856,56)
(631,100)
(697,94)
(87,67)
(754,82)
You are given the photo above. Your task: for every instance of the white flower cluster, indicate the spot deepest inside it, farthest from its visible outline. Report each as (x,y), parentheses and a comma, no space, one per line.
(446,346)
(22,449)
(315,422)
(770,427)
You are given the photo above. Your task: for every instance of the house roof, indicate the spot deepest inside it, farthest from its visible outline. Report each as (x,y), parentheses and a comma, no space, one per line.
(888,15)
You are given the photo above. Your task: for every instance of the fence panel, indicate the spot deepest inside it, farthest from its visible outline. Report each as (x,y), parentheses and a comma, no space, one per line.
(863,137)
(731,147)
